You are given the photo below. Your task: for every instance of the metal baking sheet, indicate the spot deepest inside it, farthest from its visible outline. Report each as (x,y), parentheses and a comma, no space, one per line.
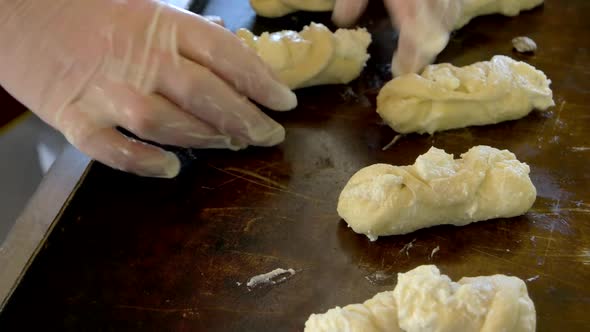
(143,254)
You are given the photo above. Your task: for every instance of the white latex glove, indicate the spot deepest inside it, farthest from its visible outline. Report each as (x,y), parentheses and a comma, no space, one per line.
(166,75)
(424,27)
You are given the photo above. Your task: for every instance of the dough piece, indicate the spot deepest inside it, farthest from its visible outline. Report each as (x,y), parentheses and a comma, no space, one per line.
(486,183)
(424,300)
(278,8)
(474,8)
(376,314)
(524,44)
(446,97)
(314,56)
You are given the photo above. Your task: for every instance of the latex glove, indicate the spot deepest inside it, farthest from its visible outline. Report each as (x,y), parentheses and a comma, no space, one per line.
(424,28)
(166,75)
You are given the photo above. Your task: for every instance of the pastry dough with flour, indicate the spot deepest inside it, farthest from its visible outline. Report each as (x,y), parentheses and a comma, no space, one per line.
(486,183)
(446,97)
(314,56)
(278,8)
(424,300)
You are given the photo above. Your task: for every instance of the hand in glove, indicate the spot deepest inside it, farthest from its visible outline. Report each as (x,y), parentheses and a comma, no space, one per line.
(166,75)
(424,27)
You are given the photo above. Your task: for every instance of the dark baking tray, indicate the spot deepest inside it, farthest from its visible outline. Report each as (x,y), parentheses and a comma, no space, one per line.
(130,253)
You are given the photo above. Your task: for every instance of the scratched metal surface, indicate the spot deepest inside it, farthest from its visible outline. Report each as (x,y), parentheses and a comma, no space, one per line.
(143,254)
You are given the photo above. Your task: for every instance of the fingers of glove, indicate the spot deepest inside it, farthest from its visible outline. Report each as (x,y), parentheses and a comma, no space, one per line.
(112,148)
(200,92)
(120,152)
(403,14)
(406,58)
(179,128)
(423,34)
(400,10)
(449,12)
(227,56)
(347,12)
(154,118)
(215,19)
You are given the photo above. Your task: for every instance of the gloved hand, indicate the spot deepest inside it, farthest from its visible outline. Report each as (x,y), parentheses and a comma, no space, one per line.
(166,75)
(424,27)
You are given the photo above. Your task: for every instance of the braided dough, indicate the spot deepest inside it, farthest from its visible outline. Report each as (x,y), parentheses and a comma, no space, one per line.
(424,300)
(486,183)
(314,56)
(446,97)
(278,8)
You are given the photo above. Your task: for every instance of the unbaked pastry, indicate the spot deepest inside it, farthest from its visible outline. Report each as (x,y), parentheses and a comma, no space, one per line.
(424,300)
(447,97)
(486,183)
(314,56)
(278,8)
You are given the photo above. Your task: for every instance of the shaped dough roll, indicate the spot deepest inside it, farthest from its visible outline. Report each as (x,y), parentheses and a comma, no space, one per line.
(376,314)
(424,300)
(314,56)
(278,8)
(446,97)
(486,183)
